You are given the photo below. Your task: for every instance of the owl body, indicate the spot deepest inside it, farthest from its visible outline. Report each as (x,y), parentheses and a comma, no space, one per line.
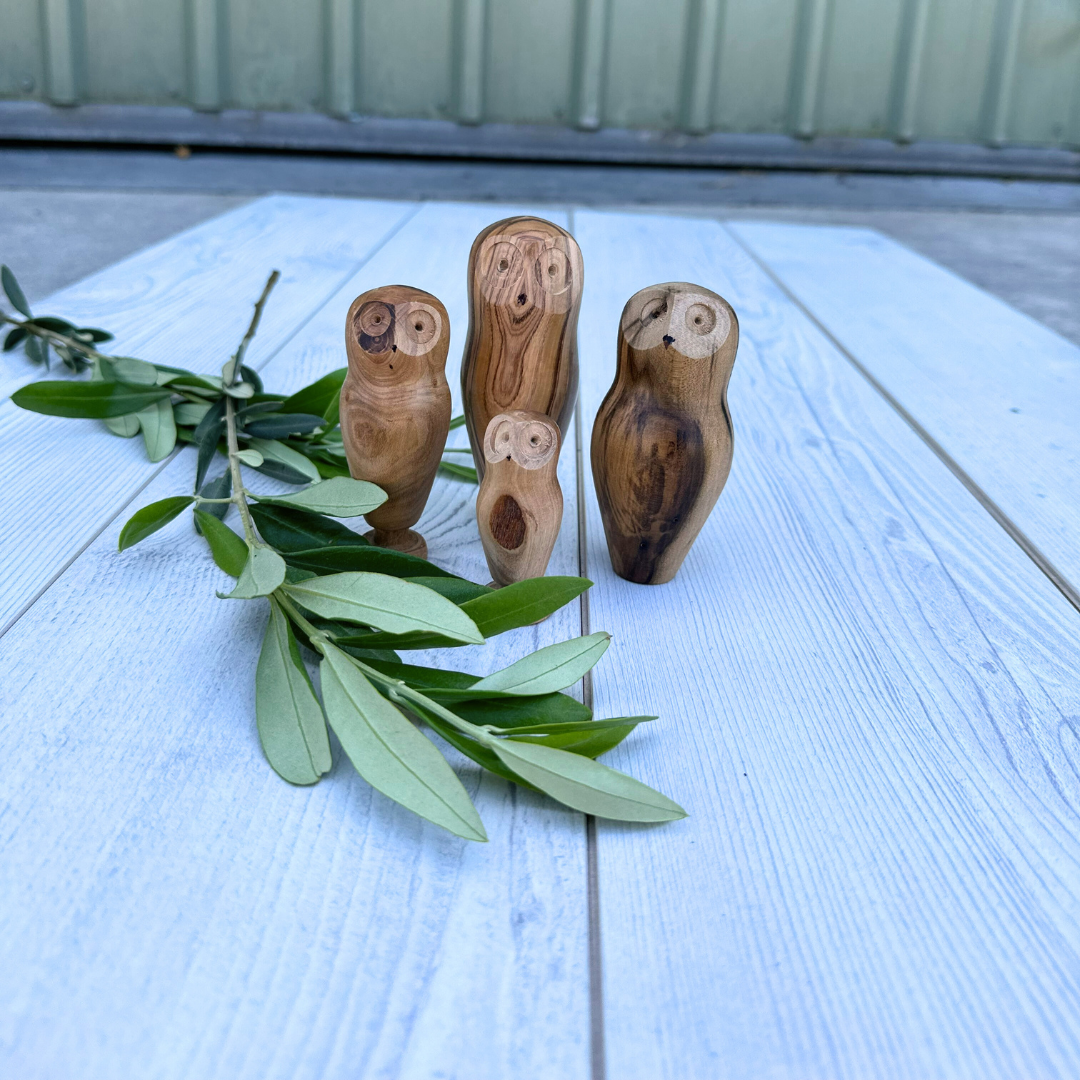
(395,404)
(662,440)
(525,282)
(520,504)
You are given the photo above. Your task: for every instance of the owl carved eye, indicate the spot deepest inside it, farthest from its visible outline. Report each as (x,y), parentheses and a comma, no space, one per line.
(653,308)
(700,319)
(552,272)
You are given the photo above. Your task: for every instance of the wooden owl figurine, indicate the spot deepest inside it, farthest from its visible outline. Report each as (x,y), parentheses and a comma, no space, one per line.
(519,508)
(525,280)
(662,440)
(395,405)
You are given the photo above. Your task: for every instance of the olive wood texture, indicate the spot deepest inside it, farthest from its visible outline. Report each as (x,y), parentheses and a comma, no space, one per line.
(662,440)
(520,504)
(395,405)
(525,281)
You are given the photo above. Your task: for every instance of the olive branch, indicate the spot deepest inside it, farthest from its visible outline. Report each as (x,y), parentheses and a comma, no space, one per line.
(351,604)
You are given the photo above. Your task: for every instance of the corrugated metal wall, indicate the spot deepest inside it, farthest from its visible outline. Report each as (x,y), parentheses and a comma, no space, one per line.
(963,70)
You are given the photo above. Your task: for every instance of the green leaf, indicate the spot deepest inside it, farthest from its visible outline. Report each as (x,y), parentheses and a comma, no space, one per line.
(86,400)
(458,590)
(250,457)
(584,784)
(95,335)
(263,572)
(50,322)
(549,669)
(250,375)
(523,603)
(583,725)
(229,550)
(218,488)
(190,413)
(204,385)
(151,518)
(458,421)
(14,293)
(274,451)
(294,530)
(134,372)
(389,752)
(461,472)
(376,560)
(520,711)
(207,435)
(290,719)
(14,338)
(470,747)
(320,398)
(384,602)
(589,743)
(159,429)
(37,351)
(127,427)
(425,678)
(339,497)
(241,391)
(279,425)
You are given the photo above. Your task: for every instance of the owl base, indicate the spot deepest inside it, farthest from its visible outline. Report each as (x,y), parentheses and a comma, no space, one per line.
(403,540)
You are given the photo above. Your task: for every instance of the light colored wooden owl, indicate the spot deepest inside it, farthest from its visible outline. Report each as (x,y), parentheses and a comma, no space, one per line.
(525,281)
(519,508)
(395,405)
(662,441)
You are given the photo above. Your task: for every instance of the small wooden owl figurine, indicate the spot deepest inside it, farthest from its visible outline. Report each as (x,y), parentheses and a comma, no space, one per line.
(395,405)
(525,280)
(662,441)
(519,508)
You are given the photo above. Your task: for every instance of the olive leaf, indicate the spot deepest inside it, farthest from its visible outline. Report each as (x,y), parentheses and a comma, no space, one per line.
(388,603)
(127,427)
(389,752)
(159,429)
(134,372)
(362,556)
(263,572)
(14,293)
(549,669)
(218,488)
(229,550)
(250,457)
(278,425)
(190,413)
(461,472)
(338,497)
(86,400)
(150,518)
(584,784)
(294,530)
(290,719)
(295,464)
(320,397)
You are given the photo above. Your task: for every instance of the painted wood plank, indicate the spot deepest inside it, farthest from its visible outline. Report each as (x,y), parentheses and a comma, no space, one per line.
(997,390)
(188,913)
(186,302)
(870,702)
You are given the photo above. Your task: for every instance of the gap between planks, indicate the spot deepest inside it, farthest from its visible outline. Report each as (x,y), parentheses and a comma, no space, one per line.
(1015,533)
(597,1057)
(394,230)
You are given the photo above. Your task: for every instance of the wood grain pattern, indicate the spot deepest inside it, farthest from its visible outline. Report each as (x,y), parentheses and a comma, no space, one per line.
(868,701)
(519,507)
(191,313)
(395,404)
(995,388)
(662,441)
(525,283)
(189,914)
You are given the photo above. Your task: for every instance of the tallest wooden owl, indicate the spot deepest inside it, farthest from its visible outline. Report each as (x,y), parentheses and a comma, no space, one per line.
(525,280)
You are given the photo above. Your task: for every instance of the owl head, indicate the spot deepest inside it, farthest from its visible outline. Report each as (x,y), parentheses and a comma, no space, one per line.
(526,264)
(396,334)
(529,439)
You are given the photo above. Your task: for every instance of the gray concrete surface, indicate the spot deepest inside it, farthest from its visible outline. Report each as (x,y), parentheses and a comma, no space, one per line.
(65,213)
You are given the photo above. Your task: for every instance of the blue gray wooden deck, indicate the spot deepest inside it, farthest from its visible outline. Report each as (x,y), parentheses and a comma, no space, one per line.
(869,697)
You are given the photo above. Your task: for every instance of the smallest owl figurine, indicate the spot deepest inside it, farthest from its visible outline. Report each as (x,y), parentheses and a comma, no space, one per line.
(519,508)
(662,440)
(395,405)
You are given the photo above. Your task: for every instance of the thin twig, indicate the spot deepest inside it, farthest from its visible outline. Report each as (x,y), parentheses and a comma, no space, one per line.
(238,359)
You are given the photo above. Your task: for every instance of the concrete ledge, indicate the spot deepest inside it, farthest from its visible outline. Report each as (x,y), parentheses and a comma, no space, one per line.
(31,121)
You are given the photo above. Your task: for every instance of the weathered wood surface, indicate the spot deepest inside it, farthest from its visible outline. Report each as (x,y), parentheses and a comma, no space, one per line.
(187,305)
(170,908)
(525,287)
(395,404)
(998,390)
(662,439)
(519,508)
(869,701)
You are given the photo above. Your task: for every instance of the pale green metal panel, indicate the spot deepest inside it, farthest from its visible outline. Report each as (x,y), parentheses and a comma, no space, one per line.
(961,70)
(406,58)
(131,51)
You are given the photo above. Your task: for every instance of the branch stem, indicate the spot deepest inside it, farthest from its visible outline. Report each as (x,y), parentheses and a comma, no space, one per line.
(232,373)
